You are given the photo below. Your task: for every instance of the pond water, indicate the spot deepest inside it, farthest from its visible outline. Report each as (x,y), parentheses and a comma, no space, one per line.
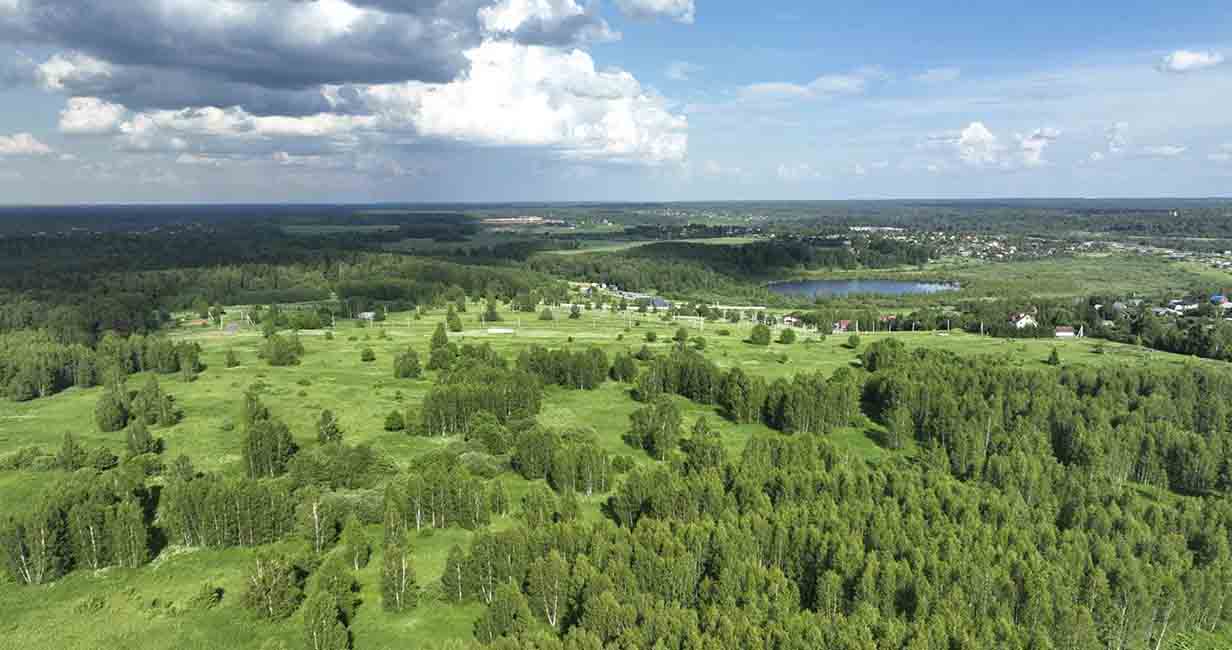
(825,288)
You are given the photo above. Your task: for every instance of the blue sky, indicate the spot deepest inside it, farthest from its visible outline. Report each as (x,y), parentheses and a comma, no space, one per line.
(491,100)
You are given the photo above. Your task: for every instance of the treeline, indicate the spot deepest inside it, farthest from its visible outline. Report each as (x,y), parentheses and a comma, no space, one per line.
(757,259)
(34,364)
(808,403)
(651,274)
(89,520)
(986,419)
(475,380)
(735,271)
(78,306)
(582,370)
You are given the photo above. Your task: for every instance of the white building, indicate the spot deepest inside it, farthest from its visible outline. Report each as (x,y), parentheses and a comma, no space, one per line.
(1023,321)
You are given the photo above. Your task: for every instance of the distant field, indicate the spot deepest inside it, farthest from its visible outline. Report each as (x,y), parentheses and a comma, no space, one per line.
(1083,275)
(604,247)
(140,607)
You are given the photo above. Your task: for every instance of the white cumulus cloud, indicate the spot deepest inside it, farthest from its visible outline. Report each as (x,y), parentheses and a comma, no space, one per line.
(1031,146)
(978,146)
(71,69)
(91,116)
(829,85)
(23,144)
(1190,61)
(533,96)
(681,11)
(546,22)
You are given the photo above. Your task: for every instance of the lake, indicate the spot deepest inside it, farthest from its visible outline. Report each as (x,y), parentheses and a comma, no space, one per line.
(826,288)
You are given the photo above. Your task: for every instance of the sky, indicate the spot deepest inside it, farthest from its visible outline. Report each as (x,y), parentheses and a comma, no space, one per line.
(239,101)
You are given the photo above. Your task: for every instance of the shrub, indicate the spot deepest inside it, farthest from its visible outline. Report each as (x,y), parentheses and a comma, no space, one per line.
(394,421)
(111,412)
(406,365)
(651,337)
(787,336)
(760,335)
(367,356)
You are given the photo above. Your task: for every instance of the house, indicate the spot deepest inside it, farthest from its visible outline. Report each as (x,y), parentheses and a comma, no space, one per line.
(791,321)
(367,315)
(1164,311)
(1023,321)
(1066,333)
(1220,300)
(659,303)
(842,326)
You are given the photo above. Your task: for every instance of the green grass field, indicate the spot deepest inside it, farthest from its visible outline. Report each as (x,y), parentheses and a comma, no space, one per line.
(146,607)
(1078,276)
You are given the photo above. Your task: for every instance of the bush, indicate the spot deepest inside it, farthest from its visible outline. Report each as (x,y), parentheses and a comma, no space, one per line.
(699,343)
(760,335)
(233,359)
(281,351)
(394,421)
(406,365)
(651,337)
(111,413)
(853,341)
(547,314)
(787,336)
(724,332)
(367,356)
(329,336)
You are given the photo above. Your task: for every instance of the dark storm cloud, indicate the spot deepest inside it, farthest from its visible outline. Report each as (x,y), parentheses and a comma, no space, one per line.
(144,88)
(271,57)
(272,44)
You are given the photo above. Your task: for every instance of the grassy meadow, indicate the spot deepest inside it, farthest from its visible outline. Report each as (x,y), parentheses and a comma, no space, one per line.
(1066,276)
(145,608)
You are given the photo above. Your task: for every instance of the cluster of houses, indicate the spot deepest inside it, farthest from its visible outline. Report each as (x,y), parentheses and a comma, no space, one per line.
(592,288)
(1024,320)
(1182,307)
